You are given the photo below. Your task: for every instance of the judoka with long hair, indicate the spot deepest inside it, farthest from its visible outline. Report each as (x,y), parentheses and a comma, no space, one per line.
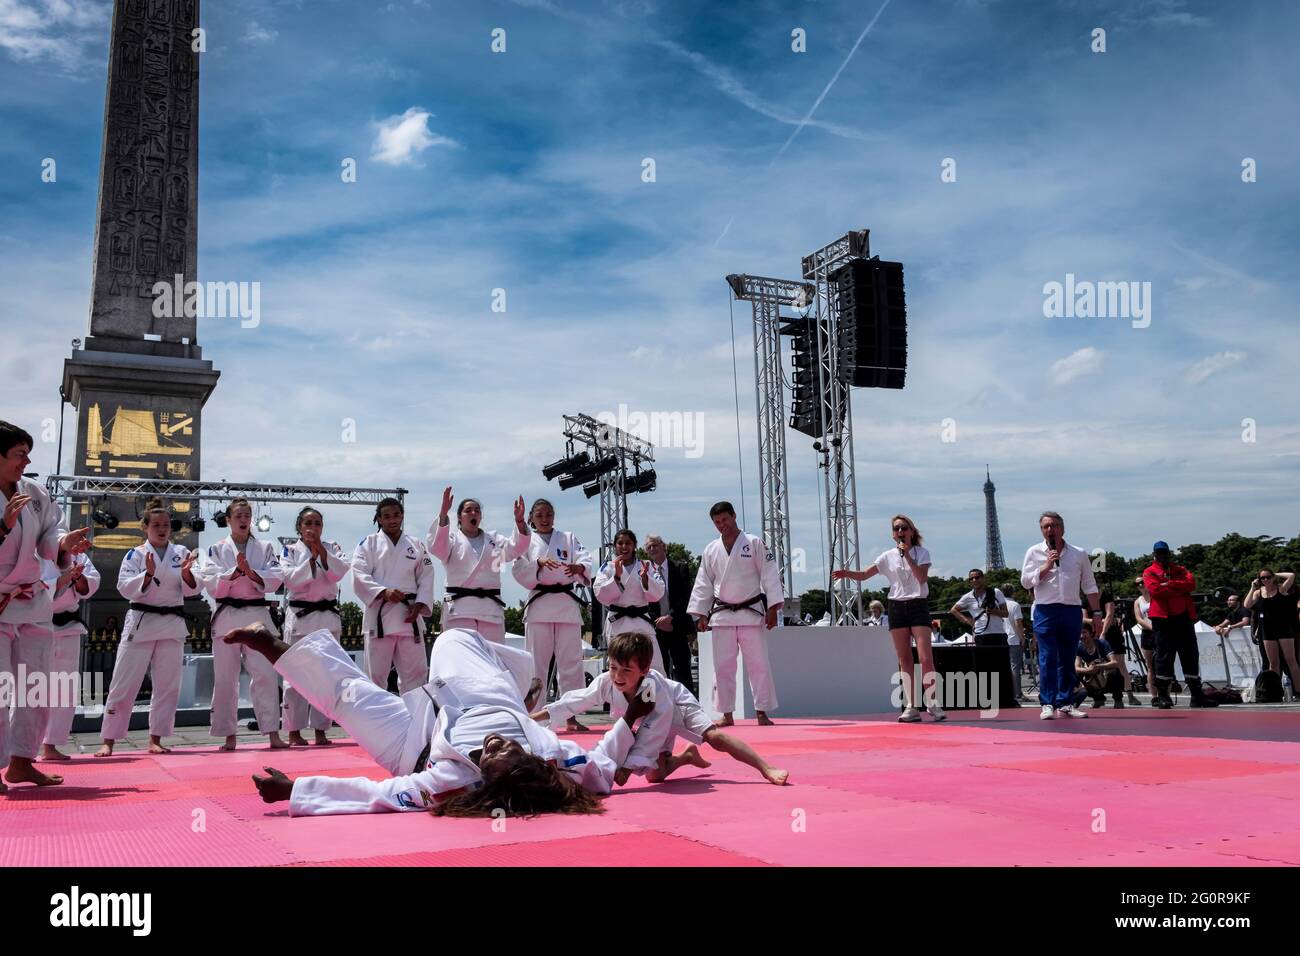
(461,745)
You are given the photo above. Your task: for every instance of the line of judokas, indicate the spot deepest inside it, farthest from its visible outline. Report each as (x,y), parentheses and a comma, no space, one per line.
(732,590)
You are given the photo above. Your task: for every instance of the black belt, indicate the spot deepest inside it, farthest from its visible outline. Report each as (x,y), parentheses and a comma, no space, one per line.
(742,606)
(642,611)
(379,617)
(311,607)
(422,761)
(64,618)
(492,594)
(554,589)
(223,603)
(177,610)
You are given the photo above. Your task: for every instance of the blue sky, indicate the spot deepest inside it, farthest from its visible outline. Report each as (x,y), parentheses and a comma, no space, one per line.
(1123,165)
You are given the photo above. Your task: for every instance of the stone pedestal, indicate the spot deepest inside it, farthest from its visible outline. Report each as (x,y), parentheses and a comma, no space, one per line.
(138,416)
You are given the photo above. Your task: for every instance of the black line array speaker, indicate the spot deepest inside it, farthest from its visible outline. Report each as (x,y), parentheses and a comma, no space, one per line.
(872,341)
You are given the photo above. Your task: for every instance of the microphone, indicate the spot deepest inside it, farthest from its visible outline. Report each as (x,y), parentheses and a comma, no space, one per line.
(1052,546)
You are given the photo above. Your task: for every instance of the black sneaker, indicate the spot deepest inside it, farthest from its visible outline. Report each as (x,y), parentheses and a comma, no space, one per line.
(1203,702)
(1164,703)
(1119,703)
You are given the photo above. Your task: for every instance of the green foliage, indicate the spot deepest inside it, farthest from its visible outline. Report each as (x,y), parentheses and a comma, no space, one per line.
(350,613)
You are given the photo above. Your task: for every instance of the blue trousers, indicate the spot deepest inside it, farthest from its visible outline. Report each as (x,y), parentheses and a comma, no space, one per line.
(1057,628)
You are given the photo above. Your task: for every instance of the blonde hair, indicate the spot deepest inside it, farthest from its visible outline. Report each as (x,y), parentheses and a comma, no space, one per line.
(916,532)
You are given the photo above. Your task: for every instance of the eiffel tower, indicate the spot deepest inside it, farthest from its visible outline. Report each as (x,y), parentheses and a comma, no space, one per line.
(992,536)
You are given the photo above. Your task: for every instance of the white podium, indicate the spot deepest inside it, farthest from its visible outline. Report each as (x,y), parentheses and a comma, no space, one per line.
(819,672)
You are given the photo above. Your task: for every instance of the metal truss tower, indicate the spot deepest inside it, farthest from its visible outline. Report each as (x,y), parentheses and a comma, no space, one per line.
(844,598)
(766,296)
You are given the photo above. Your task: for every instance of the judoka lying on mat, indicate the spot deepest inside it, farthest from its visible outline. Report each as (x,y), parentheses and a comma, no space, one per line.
(461,745)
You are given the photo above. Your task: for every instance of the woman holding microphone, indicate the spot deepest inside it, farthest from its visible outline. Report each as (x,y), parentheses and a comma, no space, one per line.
(906,567)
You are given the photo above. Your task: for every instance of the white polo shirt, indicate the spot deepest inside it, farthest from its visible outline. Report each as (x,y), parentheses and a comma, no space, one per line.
(903,585)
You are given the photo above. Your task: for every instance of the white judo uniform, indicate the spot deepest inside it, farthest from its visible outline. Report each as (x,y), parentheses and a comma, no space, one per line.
(474,564)
(241,602)
(639,605)
(378,564)
(312,588)
(553,613)
(25,613)
(737,579)
(677,714)
(65,654)
(424,737)
(152,641)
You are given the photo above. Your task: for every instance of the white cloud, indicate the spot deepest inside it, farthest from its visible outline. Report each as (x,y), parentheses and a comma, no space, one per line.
(1211,364)
(1076,365)
(53,30)
(399,140)
(256,33)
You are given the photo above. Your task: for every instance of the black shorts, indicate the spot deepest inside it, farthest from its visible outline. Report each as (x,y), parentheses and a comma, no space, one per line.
(1148,641)
(914,612)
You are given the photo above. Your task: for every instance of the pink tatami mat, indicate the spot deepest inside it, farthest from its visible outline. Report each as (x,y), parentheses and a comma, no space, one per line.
(1131,788)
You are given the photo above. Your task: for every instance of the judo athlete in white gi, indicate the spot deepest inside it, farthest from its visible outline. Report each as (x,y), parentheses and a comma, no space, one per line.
(737,594)
(462,745)
(392,576)
(312,569)
(30,531)
(630,590)
(473,559)
(156,578)
(238,573)
(69,588)
(554,567)
(676,714)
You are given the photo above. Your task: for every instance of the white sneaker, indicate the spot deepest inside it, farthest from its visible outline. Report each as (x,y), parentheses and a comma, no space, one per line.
(910,716)
(1072,711)
(1047,713)
(937,712)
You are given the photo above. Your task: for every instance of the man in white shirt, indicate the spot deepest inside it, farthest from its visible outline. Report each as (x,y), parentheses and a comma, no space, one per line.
(1056,572)
(1015,639)
(983,610)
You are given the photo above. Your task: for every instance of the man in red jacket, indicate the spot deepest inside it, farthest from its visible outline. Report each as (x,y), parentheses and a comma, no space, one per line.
(1173,616)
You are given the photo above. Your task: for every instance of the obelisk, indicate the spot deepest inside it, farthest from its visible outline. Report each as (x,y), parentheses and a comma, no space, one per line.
(139,382)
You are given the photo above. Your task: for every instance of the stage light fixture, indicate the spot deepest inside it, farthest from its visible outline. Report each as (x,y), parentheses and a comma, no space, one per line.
(220,519)
(646,481)
(197,524)
(588,472)
(591,490)
(104,519)
(264,523)
(564,465)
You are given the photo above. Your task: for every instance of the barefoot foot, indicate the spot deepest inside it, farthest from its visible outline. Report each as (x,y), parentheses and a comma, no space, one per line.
(573,727)
(156,746)
(277,742)
(692,756)
(229,744)
(296,739)
(24,772)
(105,749)
(322,739)
(51,752)
(778,777)
(763,719)
(726,721)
